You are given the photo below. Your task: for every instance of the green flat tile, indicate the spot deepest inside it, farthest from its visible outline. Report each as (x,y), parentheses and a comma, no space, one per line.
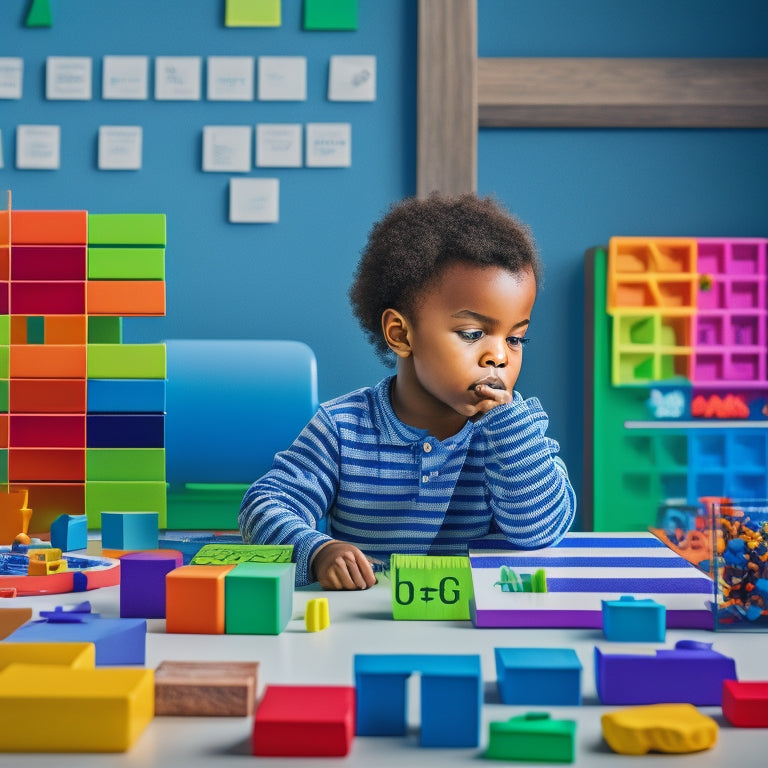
(116,464)
(335,15)
(126,263)
(105,330)
(126,229)
(124,496)
(126,361)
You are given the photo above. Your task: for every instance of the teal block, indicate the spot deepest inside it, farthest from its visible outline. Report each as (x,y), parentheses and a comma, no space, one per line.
(258,598)
(129,530)
(69,532)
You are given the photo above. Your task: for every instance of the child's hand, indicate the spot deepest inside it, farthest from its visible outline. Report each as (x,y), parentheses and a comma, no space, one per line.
(338,565)
(490,397)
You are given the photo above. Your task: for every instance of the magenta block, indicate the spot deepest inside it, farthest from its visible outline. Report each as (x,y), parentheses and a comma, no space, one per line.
(142,583)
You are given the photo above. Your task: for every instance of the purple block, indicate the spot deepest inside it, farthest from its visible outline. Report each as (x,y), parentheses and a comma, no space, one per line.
(691,673)
(142,583)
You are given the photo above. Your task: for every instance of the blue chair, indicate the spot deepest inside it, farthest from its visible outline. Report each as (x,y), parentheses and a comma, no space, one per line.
(230,406)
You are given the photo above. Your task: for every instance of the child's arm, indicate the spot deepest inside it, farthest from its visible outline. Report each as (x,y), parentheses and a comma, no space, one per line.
(338,565)
(531,497)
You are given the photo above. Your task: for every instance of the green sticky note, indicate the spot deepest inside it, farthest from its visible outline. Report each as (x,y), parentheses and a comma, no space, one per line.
(39,14)
(336,15)
(252,13)
(430,587)
(230,554)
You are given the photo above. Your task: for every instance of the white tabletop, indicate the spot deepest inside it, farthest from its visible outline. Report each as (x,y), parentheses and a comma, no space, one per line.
(361,622)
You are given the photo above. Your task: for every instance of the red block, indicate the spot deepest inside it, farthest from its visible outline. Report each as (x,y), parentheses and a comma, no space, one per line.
(745,703)
(47,431)
(305,721)
(49,262)
(46,465)
(48,396)
(48,298)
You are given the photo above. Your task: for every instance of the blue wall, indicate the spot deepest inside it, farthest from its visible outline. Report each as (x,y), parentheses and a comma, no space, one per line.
(575,188)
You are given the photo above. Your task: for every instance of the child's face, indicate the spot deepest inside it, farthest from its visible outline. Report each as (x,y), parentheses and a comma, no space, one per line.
(467,332)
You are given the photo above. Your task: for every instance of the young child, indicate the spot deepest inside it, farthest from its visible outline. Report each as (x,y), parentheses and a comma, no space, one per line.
(444,451)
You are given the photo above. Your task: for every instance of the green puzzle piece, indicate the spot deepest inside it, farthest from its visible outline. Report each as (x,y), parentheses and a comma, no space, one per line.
(39,14)
(229,554)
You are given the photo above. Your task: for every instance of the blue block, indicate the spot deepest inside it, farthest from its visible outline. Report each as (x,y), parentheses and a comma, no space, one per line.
(451,697)
(635,621)
(69,533)
(130,530)
(125,430)
(539,676)
(126,395)
(142,583)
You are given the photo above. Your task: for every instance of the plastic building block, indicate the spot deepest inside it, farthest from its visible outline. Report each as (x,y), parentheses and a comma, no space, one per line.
(49,227)
(125,496)
(39,298)
(126,229)
(259,598)
(672,728)
(532,737)
(690,673)
(115,464)
(46,567)
(745,703)
(125,430)
(14,515)
(126,395)
(304,721)
(234,553)
(47,395)
(206,688)
(252,13)
(126,361)
(11,619)
(126,297)
(69,532)
(105,330)
(48,262)
(55,464)
(65,329)
(195,599)
(85,710)
(316,617)
(129,530)
(31,430)
(426,587)
(336,15)
(628,619)
(72,655)
(142,582)
(539,676)
(126,263)
(451,697)
(39,14)
(43,361)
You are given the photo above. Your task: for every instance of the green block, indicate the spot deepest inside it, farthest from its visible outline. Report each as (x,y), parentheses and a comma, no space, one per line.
(231,554)
(124,496)
(126,361)
(105,330)
(3,465)
(209,506)
(258,598)
(4,384)
(5,329)
(35,330)
(430,587)
(252,13)
(337,15)
(126,263)
(125,464)
(5,358)
(532,737)
(39,14)
(126,229)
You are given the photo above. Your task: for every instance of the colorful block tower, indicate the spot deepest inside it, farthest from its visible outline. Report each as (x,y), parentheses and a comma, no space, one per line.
(81,413)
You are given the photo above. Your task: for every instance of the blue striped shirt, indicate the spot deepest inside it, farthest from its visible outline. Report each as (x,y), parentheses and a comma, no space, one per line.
(390,488)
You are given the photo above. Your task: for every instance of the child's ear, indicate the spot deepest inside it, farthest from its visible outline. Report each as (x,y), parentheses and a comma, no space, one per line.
(394,326)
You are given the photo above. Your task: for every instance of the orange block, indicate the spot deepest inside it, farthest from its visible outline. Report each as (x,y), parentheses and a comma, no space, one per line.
(46,464)
(18,329)
(5,225)
(14,514)
(49,500)
(48,361)
(126,297)
(66,329)
(13,618)
(49,227)
(194,599)
(48,395)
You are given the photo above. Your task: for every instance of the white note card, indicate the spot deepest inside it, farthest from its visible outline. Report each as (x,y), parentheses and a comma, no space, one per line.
(38,147)
(68,78)
(120,147)
(282,78)
(177,78)
(230,78)
(352,78)
(11,77)
(278,145)
(254,201)
(125,77)
(329,145)
(227,148)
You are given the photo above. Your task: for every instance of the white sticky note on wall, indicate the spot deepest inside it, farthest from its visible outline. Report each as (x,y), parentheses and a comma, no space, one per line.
(230,78)
(282,78)
(38,147)
(11,77)
(352,78)
(329,145)
(254,201)
(125,77)
(227,148)
(278,145)
(68,78)
(178,78)
(120,147)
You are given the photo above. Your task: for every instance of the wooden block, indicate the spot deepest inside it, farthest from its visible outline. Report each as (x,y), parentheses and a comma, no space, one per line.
(43,361)
(66,329)
(47,298)
(49,227)
(10,620)
(194,599)
(47,395)
(48,464)
(143,298)
(48,262)
(47,431)
(206,688)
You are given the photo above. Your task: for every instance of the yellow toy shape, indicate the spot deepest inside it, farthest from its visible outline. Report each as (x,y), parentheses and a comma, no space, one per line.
(46,708)
(316,616)
(673,728)
(14,515)
(72,655)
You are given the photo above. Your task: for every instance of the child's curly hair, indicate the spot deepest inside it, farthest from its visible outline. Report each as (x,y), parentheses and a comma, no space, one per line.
(409,249)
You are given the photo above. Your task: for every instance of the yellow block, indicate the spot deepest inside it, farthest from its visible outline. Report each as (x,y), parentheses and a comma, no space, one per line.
(46,567)
(48,555)
(72,655)
(316,616)
(47,708)
(673,728)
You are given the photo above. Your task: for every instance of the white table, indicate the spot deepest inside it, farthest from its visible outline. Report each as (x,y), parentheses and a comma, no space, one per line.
(361,623)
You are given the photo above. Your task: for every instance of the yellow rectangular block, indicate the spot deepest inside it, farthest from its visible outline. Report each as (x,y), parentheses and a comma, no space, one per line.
(46,708)
(46,567)
(72,655)
(47,555)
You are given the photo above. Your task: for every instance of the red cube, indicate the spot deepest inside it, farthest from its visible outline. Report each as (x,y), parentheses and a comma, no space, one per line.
(745,703)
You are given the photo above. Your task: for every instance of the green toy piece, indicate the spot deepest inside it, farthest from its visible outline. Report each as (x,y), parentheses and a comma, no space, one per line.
(230,554)
(430,587)
(532,737)
(330,15)
(509,581)
(39,14)
(258,598)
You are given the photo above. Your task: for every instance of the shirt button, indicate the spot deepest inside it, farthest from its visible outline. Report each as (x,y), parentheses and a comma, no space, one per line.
(427,447)
(425,478)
